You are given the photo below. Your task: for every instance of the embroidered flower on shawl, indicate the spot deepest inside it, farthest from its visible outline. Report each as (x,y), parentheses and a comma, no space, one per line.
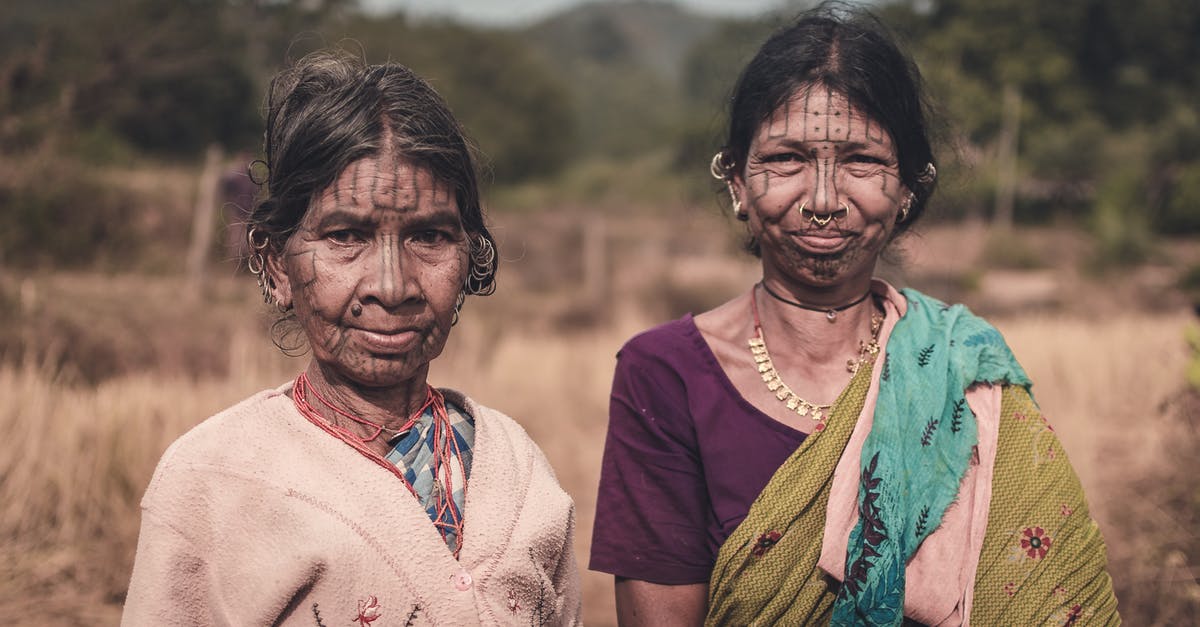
(1071,616)
(368,611)
(1065,510)
(1036,542)
(1042,424)
(514,605)
(765,542)
(1010,588)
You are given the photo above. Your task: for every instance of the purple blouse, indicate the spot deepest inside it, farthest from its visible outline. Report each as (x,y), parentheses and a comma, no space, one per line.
(685,458)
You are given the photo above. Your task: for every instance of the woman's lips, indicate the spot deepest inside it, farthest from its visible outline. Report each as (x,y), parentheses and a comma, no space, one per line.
(824,243)
(397,341)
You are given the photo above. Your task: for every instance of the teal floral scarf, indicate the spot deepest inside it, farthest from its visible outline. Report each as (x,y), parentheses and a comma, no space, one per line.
(918,450)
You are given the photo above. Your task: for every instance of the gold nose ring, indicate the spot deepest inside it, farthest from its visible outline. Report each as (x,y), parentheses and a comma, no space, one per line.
(813,218)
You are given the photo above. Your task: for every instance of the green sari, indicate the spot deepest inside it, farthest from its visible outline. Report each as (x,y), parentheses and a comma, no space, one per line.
(766,571)
(1042,559)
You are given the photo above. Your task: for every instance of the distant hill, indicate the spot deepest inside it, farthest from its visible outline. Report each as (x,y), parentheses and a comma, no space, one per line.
(655,34)
(622,62)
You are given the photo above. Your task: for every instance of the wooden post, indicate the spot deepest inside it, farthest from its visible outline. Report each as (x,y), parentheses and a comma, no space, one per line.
(595,263)
(203,218)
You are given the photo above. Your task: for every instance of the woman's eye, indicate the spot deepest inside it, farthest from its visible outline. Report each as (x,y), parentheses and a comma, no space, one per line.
(871,159)
(344,236)
(430,236)
(784,157)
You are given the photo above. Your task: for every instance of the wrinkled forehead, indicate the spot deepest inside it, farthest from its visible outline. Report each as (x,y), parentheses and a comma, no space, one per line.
(816,113)
(387,181)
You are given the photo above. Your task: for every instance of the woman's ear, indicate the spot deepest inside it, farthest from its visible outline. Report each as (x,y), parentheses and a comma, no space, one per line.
(280,282)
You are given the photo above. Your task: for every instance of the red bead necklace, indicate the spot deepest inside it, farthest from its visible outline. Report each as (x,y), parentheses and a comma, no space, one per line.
(445,449)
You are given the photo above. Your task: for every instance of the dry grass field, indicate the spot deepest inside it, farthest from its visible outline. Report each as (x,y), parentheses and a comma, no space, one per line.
(101,373)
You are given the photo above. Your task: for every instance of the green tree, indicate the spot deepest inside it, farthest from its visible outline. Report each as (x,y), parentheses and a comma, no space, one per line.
(709,72)
(1095,78)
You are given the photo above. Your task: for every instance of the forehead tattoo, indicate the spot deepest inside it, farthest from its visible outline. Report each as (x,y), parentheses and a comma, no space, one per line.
(823,121)
(823,115)
(390,185)
(442,193)
(826,116)
(837,122)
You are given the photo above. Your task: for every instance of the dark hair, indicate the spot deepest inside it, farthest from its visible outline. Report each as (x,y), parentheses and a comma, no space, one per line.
(329,110)
(847,50)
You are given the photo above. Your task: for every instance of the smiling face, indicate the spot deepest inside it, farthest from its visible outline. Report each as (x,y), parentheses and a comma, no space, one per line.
(819,152)
(374,271)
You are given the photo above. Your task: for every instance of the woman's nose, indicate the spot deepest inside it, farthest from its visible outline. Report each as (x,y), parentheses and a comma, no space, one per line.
(386,277)
(824,200)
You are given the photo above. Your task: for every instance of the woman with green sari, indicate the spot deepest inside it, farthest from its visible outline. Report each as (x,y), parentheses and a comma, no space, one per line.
(825,448)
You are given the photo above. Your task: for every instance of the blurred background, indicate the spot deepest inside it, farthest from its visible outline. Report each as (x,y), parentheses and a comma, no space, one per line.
(1068,213)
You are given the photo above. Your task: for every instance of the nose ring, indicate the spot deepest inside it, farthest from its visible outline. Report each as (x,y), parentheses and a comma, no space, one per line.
(813,218)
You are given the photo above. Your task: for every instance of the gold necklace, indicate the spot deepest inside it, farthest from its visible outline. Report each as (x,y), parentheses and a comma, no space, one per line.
(867,350)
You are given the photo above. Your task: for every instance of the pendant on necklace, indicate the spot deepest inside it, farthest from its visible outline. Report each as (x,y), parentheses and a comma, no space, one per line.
(831,316)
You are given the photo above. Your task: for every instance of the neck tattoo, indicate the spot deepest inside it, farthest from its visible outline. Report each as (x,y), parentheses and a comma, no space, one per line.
(830,312)
(867,351)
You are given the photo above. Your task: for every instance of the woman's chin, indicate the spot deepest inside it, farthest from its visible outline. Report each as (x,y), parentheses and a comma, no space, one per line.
(378,370)
(386,377)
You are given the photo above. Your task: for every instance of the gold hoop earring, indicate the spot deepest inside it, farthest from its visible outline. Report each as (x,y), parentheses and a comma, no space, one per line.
(716,167)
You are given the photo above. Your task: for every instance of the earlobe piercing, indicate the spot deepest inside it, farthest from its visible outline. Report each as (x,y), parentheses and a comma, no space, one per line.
(737,204)
(905,205)
(256,262)
(718,170)
(458,303)
(737,210)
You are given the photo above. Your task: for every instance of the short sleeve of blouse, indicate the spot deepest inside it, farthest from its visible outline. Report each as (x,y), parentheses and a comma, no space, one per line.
(652,507)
